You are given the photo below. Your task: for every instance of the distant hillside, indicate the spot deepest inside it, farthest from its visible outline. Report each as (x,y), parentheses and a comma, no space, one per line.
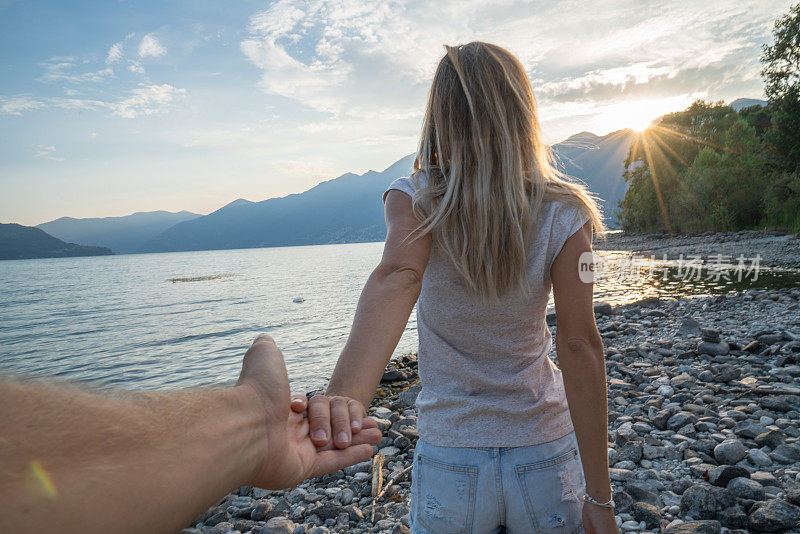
(741,103)
(599,162)
(19,242)
(121,234)
(343,210)
(349,209)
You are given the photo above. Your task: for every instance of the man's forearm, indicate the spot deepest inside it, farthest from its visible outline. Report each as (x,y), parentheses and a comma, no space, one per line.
(69,444)
(381,316)
(583,366)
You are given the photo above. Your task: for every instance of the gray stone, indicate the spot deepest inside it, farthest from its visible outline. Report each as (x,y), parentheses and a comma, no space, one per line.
(773,516)
(696,527)
(730,451)
(631,451)
(771,439)
(733,517)
(721,348)
(408,397)
(759,457)
(744,488)
(721,475)
(642,511)
(699,502)
(278,525)
(689,328)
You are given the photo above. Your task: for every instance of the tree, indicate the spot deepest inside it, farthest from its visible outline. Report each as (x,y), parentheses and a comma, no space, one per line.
(781,73)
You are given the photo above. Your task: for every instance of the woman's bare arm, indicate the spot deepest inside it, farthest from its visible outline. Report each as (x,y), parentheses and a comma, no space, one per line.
(582,361)
(381,316)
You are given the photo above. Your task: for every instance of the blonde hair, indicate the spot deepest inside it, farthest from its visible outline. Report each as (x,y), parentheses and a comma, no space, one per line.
(487,168)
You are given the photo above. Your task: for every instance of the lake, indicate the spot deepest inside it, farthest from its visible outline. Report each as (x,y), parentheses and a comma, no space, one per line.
(150,321)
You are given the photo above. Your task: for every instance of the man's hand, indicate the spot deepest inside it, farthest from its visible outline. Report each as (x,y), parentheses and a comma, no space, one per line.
(289,454)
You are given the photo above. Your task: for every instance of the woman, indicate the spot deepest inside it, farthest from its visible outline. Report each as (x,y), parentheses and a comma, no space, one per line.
(479,233)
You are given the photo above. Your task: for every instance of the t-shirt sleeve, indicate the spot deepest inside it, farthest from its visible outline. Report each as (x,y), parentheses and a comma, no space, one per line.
(401,184)
(566,221)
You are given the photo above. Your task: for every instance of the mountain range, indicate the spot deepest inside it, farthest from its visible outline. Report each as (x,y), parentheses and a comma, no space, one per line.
(345,209)
(19,242)
(123,235)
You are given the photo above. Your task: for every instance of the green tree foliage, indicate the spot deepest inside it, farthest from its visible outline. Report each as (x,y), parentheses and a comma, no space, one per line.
(710,167)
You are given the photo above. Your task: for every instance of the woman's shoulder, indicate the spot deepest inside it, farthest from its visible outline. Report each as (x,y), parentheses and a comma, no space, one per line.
(408,184)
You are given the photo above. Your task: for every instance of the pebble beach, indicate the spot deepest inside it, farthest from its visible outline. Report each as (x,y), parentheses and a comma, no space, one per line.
(704,402)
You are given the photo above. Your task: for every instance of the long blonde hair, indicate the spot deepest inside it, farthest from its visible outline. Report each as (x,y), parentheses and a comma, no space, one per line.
(487,169)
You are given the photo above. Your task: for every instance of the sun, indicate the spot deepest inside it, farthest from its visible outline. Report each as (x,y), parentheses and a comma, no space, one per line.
(637,115)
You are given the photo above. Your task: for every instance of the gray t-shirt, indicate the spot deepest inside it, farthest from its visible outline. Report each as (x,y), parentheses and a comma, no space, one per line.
(486,378)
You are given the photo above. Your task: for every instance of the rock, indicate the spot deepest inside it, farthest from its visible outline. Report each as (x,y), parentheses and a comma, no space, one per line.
(603,308)
(217,518)
(706,347)
(408,397)
(393,375)
(773,516)
(698,501)
(221,528)
(696,527)
(721,475)
(329,511)
(640,494)
(764,478)
(631,451)
(758,457)
(771,439)
(744,488)
(749,429)
(793,494)
(733,517)
(642,511)
(345,497)
(260,511)
(792,452)
(363,467)
(730,451)
(710,334)
(689,328)
(622,501)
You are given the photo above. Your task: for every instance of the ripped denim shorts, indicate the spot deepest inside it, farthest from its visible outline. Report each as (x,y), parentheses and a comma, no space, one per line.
(481,490)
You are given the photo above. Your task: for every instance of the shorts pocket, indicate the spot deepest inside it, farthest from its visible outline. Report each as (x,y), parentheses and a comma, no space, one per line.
(553,490)
(444,500)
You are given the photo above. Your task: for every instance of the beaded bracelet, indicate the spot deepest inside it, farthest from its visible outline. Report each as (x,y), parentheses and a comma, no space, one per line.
(609,504)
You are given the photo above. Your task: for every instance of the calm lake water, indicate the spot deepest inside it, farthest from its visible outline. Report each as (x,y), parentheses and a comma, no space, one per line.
(150,321)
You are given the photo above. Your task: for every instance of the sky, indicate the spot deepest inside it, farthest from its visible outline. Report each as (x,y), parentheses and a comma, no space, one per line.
(116,106)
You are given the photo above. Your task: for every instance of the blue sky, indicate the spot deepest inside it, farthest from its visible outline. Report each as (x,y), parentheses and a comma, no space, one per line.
(112,107)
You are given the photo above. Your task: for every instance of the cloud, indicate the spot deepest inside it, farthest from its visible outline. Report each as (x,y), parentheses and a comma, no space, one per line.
(16,105)
(62,69)
(149,46)
(136,66)
(147,100)
(114,53)
(373,60)
(142,100)
(47,152)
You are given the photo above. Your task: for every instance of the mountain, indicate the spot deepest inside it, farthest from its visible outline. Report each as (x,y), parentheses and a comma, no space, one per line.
(599,162)
(349,209)
(121,234)
(741,103)
(343,210)
(19,242)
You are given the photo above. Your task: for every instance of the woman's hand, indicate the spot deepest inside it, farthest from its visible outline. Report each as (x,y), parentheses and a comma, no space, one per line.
(337,417)
(598,519)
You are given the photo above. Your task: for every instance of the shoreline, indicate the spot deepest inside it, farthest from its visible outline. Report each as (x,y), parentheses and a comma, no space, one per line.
(704,406)
(776,249)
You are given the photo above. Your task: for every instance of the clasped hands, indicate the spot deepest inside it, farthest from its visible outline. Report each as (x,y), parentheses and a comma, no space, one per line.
(297,442)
